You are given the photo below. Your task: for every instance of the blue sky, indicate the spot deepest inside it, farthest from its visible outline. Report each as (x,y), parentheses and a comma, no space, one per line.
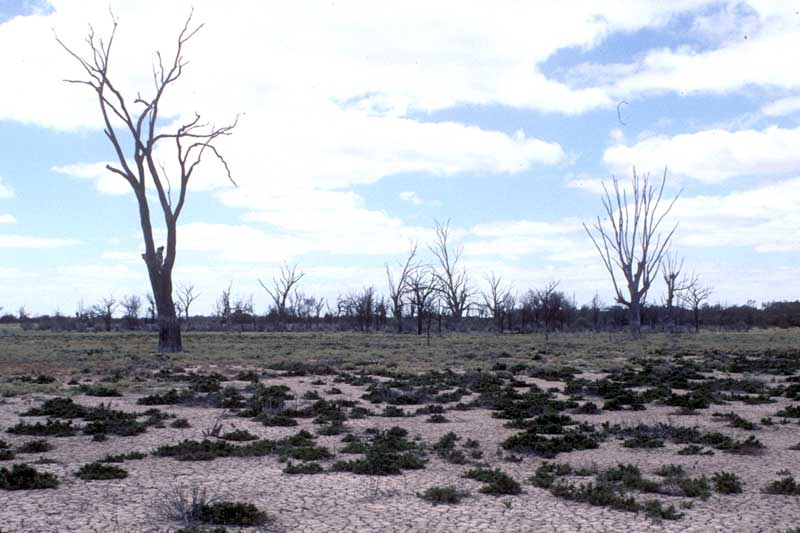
(361,126)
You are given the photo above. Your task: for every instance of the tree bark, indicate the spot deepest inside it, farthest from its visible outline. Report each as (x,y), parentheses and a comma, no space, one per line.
(635,319)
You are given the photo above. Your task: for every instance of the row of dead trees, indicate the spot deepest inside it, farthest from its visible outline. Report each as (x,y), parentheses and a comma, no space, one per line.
(628,237)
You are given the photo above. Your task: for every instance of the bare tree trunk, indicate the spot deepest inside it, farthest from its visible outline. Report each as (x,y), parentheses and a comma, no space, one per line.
(169,334)
(635,319)
(169,329)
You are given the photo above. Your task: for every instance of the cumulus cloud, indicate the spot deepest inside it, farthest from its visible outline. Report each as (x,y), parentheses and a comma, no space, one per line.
(104,181)
(748,47)
(25,241)
(783,106)
(713,155)
(8,219)
(412,197)
(764,218)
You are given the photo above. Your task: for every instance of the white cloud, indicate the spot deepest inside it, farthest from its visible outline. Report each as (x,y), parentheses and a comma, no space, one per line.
(104,180)
(8,219)
(591,185)
(751,49)
(713,155)
(414,57)
(765,218)
(5,190)
(411,196)
(416,199)
(25,241)
(784,106)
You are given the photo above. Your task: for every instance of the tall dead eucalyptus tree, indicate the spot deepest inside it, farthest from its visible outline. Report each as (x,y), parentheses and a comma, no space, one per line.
(496,300)
(675,284)
(132,128)
(629,241)
(451,278)
(422,289)
(398,288)
(282,288)
(693,298)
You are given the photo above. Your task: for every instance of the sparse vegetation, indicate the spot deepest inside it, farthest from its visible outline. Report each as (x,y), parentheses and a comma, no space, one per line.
(24,477)
(448,495)
(101,471)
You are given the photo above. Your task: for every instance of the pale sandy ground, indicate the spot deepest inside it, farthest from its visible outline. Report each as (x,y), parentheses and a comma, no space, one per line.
(341,502)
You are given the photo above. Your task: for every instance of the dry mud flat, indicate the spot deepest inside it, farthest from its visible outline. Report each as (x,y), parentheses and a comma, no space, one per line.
(639,429)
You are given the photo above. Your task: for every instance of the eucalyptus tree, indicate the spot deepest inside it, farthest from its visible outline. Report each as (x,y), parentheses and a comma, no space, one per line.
(132,127)
(630,242)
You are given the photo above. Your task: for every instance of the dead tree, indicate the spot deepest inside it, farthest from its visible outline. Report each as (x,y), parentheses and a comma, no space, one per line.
(596,307)
(105,311)
(223,308)
(422,291)
(134,129)
(186,296)
(452,281)
(629,241)
(693,298)
(399,287)
(151,307)
(550,306)
(496,299)
(132,305)
(675,285)
(282,288)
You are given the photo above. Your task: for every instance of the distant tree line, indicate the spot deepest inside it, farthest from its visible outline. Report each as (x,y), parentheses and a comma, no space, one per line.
(545,310)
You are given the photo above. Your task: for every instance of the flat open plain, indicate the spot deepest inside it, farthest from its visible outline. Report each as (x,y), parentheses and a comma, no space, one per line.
(671,415)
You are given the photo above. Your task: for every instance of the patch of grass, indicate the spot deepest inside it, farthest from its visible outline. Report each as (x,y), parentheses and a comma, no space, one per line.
(643,441)
(35,446)
(238,435)
(227,513)
(547,473)
(448,495)
(749,446)
(277,420)
(786,486)
(51,428)
(388,453)
(671,470)
(530,441)
(303,468)
(694,449)
(792,411)
(727,483)
(446,449)
(599,495)
(24,477)
(171,397)
(657,510)
(102,391)
(192,450)
(392,411)
(101,471)
(736,421)
(194,507)
(496,482)
(695,487)
(437,419)
(122,457)
(180,423)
